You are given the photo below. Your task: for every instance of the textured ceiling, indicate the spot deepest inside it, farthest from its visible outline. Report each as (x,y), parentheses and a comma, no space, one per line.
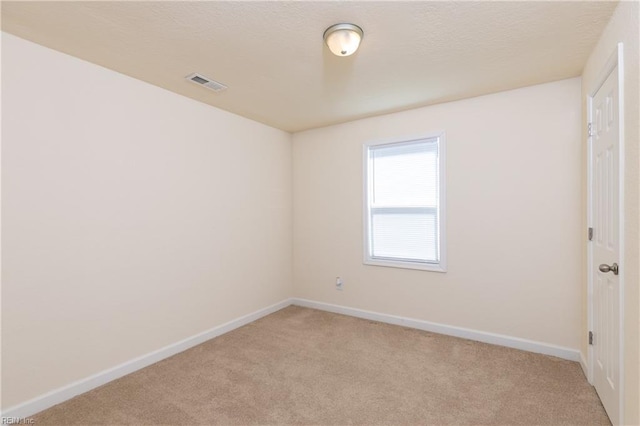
(279,72)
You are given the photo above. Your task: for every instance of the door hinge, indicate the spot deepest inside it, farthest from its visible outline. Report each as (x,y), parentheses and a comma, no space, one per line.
(590,129)
(590,234)
(591,337)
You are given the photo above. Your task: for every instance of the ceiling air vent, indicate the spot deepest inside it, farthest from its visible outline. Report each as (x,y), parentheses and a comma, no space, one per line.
(206,82)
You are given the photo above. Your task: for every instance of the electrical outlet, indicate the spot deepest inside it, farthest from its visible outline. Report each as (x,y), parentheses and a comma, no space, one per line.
(339,283)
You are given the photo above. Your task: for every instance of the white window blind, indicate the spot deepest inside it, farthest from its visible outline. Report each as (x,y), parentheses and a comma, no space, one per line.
(403,203)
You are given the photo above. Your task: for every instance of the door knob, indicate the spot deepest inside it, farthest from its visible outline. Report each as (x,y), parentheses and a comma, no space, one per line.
(606,268)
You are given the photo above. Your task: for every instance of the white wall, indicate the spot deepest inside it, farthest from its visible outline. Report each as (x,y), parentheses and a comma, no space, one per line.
(513,216)
(132,218)
(623,27)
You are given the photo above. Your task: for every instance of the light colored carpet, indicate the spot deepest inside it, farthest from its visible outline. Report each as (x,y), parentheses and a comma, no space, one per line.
(303,366)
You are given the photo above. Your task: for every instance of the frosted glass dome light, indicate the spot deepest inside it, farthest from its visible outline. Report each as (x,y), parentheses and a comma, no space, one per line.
(343,39)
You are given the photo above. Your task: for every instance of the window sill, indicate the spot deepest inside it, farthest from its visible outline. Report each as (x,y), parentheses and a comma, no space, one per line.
(432,267)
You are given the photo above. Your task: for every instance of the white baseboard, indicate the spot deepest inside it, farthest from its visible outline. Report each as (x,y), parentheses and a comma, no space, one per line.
(67,392)
(466,333)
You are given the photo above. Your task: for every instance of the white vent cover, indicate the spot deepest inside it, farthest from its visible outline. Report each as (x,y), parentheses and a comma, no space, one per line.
(206,82)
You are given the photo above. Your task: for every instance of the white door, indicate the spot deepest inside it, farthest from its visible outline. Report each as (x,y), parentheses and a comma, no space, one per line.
(606,245)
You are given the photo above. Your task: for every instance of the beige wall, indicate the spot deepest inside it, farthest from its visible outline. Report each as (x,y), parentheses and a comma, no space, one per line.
(513,216)
(149,216)
(623,27)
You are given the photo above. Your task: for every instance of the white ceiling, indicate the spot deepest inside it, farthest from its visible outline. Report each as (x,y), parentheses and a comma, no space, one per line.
(279,72)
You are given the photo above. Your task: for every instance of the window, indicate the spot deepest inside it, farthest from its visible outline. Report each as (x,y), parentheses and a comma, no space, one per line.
(404,204)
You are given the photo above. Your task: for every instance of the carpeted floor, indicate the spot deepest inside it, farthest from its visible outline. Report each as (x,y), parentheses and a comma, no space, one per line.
(303,366)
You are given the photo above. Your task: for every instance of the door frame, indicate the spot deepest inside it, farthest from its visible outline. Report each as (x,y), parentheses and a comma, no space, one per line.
(614,64)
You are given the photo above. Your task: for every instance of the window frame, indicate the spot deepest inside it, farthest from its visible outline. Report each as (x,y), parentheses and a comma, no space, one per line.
(440,266)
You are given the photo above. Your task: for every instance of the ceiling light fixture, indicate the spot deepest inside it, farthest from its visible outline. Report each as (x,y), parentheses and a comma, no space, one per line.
(343,39)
